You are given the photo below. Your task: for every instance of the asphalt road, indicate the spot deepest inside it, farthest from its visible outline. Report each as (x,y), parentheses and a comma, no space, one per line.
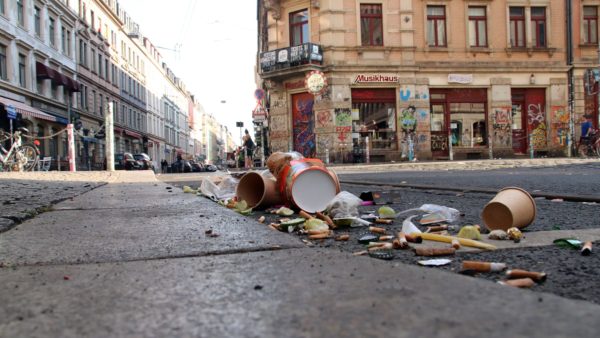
(570,274)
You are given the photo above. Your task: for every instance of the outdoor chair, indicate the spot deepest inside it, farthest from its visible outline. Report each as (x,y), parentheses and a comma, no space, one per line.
(44,164)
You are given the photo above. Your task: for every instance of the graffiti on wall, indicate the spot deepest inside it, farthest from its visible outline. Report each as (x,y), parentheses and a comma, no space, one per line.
(439,142)
(501,127)
(343,124)
(536,123)
(303,124)
(280,144)
(559,117)
(325,141)
(278,123)
(324,120)
(416,93)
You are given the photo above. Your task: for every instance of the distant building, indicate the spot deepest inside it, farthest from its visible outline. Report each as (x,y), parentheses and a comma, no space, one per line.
(471,76)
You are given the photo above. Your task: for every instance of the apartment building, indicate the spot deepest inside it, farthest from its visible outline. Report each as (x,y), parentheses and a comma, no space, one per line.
(424,79)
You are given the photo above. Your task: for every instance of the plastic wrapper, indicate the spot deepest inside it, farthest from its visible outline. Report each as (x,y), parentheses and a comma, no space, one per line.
(219,192)
(343,205)
(442,212)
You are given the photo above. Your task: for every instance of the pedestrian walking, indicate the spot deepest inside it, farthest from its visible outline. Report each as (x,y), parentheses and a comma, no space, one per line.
(248,145)
(163,166)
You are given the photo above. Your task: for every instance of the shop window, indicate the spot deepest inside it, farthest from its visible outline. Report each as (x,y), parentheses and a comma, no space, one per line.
(477,27)
(437,118)
(371,25)
(538,26)
(436,26)
(517,26)
(376,110)
(468,125)
(590,25)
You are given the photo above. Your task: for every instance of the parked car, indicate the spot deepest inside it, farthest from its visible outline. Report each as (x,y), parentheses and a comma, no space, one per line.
(211,167)
(125,161)
(181,166)
(145,160)
(196,166)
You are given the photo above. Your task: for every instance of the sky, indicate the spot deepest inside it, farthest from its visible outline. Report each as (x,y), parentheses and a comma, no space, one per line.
(216,50)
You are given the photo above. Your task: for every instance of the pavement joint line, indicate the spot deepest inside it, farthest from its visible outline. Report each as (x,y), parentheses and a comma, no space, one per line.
(565,197)
(196,255)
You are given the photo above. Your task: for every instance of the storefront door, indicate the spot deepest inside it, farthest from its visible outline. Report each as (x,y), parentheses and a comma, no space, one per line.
(530,103)
(519,121)
(303,124)
(439,130)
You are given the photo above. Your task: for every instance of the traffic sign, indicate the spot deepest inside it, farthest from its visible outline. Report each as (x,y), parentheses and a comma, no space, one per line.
(11,112)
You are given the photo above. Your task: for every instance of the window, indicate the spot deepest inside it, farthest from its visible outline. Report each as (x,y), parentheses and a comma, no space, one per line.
(68,43)
(95,101)
(590,25)
(371,25)
(101,111)
(100,64)
(93,57)
(299,27)
(93,20)
(22,77)
(51,32)
(3,74)
(83,53)
(436,26)
(83,12)
(63,39)
(37,23)
(2,11)
(477,27)
(517,26)
(20,13)
(538,26)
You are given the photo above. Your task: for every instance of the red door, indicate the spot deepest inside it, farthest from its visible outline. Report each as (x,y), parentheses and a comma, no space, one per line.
(303,124)
(519,123)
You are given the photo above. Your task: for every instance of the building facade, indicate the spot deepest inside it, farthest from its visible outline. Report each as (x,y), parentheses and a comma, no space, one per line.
(422,79)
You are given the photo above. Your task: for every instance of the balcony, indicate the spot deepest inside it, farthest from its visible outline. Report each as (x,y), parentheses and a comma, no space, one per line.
(290,60)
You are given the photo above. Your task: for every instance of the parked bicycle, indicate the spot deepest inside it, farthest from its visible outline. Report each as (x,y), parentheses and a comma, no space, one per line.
(590,147)
(19,157)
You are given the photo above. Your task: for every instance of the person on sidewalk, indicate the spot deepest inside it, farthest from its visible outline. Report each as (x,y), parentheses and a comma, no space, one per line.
(163,166)
(248,145)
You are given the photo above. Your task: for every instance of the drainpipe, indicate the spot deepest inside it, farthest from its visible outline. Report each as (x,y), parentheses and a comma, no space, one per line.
(571,102)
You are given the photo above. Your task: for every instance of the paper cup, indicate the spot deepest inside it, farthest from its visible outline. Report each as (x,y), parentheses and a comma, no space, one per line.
(511,207)
(258,190)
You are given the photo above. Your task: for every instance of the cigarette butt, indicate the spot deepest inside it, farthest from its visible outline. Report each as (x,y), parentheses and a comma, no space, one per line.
(587,249)
(413,238)
(304,214)
(385,246)
(478,227)
(326,219)
(377,230)
(383,221)
(317,232)
(360,253)
(435,228)
(402,240)
(342,238)
(261,219)
(434,251)
(479,266)
(442,233)
(400,244)
(273,227)
(519,283)
(518,273)
(455,244)
(386,237)
(320,236)
(376,244)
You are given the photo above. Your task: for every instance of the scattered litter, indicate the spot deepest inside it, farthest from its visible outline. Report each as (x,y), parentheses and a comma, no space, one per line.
(572,243)
(511,207)
(370,216)
(434,251)
(283,211)
(224,190)
(66,278)
(413,238)
(386,212)
(498,235)
(539,277)
(189,190)
(469,232)
(208,232)
(587,249)
(261,219)
(478,266)
(514,234)
(558,200)
(432,219)
(408,227)
(462,241)
(386,238)
(360,253)
(307,242)
(315,224)
(382,254)
(519,283)
(448,214)
(321,235)
(383,221)
(325,218)
(342,238)
(436,228)
(589,203)
(366,203)
(435,262)
(455,244)
(379,245)
(377,230)
(367,238)
(344,206)
(305,214)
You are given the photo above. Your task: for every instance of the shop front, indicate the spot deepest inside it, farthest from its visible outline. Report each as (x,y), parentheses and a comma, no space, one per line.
(459,120)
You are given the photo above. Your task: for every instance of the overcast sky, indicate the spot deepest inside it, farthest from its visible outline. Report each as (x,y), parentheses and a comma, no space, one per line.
(216,41)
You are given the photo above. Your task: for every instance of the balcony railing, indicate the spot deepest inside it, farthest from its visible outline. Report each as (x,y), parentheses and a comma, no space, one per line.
(290,57)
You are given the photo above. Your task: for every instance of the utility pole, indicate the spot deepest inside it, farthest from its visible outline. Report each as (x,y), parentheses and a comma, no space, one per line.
(110,137)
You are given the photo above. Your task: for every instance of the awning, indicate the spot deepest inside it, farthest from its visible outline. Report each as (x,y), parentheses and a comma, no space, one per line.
(132,134)
(45,72)
(26,110)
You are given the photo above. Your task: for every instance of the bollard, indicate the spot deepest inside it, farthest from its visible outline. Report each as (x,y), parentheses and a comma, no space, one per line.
(450,151)
(491,151)
(326,155)
(367,153)
(530,147)
(71,144)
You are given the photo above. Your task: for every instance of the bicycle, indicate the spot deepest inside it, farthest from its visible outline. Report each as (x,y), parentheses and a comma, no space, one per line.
(19,157)
(590,146)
